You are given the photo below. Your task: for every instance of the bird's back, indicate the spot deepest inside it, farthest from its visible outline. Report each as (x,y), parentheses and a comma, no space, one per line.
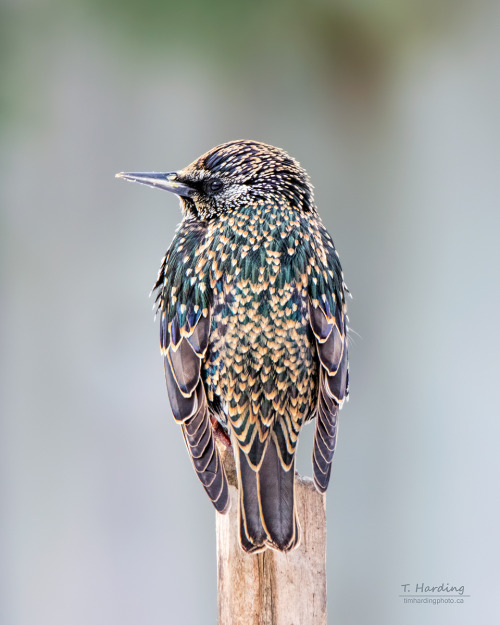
(261,362)
(261,368)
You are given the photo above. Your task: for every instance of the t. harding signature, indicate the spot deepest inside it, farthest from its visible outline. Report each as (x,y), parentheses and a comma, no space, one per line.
(425,589)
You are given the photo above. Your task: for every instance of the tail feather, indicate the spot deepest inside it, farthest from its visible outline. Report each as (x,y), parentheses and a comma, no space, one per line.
(252,533)
(267,507)
(277,485)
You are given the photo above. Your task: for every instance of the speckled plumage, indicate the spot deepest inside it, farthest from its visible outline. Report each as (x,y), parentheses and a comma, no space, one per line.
(253,329)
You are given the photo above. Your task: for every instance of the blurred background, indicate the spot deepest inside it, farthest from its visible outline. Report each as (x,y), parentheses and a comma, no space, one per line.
(392,107)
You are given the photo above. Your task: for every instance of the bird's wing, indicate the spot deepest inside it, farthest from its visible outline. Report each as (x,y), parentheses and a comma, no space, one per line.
(327,318)
(184,336)
(183,348)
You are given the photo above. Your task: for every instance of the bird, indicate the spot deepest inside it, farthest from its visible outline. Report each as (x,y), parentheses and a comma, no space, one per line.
(253,330)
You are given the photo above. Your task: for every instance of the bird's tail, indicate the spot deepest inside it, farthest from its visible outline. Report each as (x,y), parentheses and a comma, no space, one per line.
(266,502)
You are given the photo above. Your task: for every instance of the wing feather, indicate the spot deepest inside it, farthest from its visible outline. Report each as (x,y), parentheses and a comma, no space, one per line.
(198,337)
(331,344)
(185,366)
(184,346)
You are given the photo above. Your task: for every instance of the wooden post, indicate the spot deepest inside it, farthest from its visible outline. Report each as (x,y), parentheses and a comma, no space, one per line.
(272,588)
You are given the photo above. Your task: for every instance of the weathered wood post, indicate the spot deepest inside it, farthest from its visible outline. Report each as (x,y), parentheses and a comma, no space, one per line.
(271,588)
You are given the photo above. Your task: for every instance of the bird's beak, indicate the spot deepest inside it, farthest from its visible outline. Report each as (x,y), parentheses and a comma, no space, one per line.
(167,182)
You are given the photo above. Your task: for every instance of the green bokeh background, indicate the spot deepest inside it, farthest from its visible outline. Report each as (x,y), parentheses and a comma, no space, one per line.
(392,107)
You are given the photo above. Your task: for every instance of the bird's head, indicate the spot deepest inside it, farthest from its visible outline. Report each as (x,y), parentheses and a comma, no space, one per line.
(234,175)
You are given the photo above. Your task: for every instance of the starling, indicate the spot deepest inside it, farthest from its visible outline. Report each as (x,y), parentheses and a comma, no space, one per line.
(253,329)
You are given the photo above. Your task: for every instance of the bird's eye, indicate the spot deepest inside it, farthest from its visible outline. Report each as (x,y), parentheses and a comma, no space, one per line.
(214,186)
